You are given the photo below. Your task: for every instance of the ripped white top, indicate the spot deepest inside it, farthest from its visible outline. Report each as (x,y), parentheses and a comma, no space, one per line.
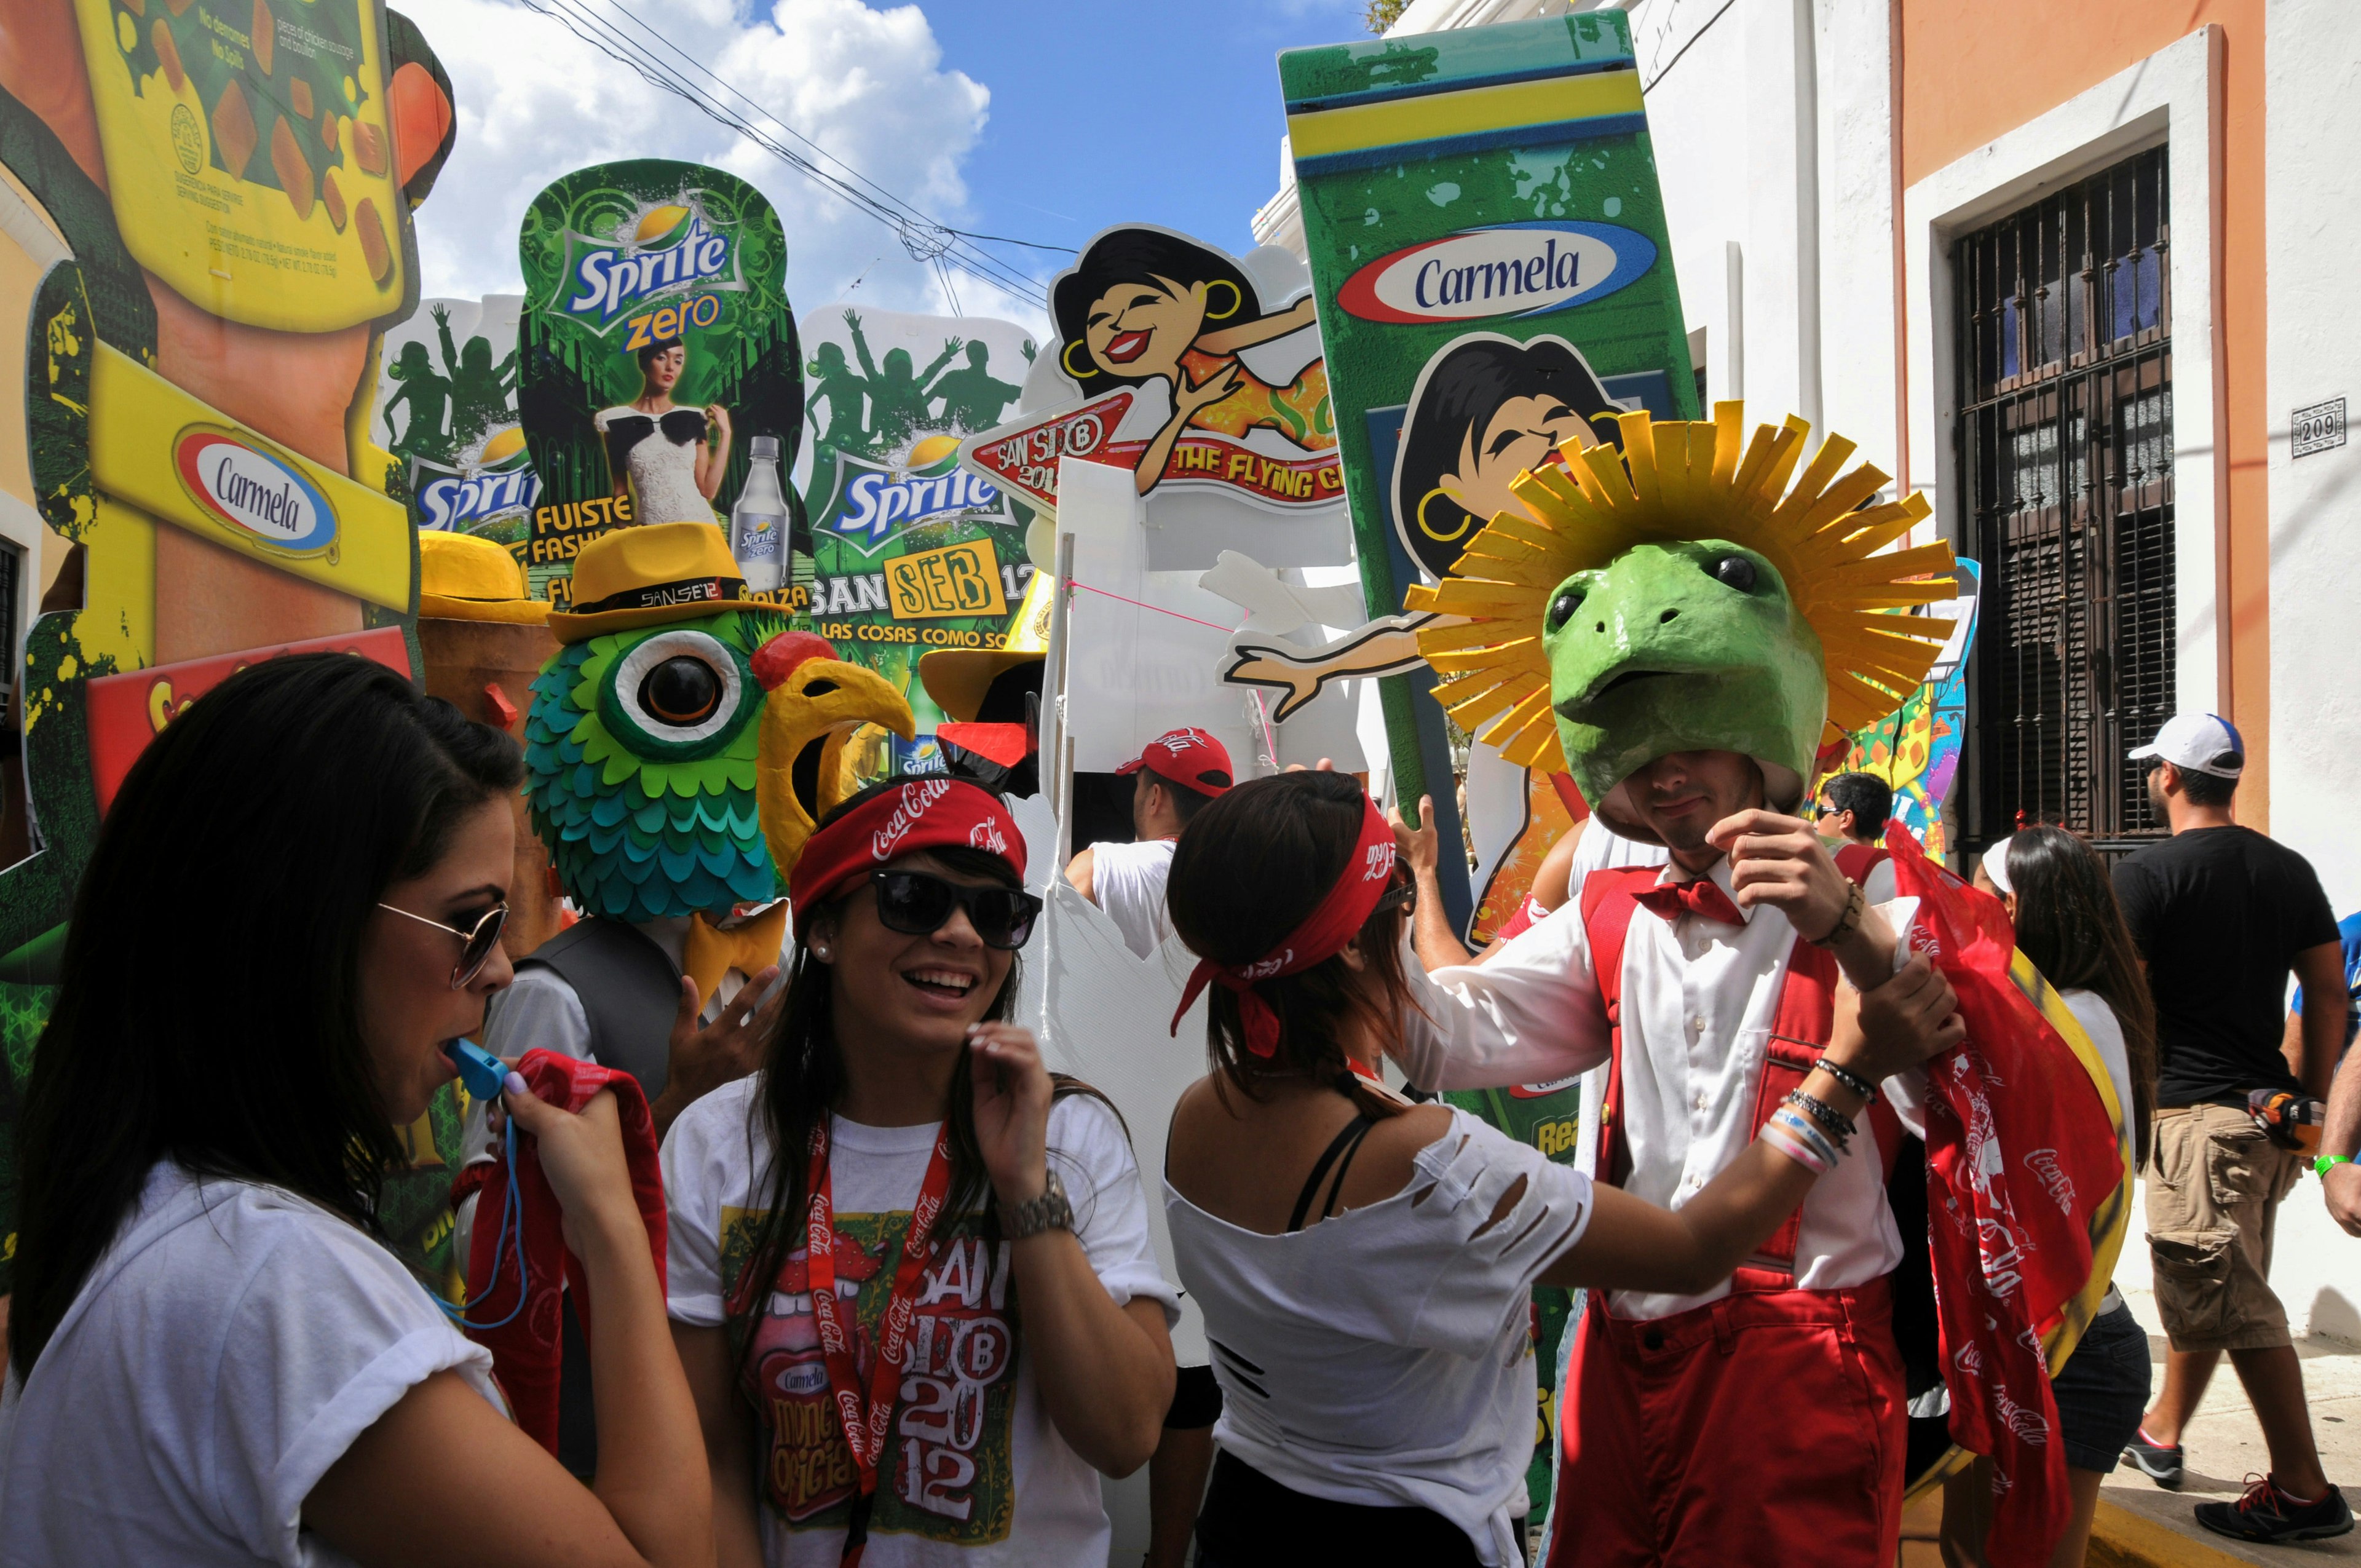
(1384,1356)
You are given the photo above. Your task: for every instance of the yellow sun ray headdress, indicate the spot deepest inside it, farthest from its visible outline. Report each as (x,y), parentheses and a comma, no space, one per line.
(1679,481)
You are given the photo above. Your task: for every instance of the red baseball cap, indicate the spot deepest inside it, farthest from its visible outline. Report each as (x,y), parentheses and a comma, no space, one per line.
(1190,758)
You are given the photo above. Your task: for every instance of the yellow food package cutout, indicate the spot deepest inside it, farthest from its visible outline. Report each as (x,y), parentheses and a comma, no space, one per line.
(249,154)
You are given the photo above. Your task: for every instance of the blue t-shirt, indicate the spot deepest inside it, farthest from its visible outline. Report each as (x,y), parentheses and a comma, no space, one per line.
(2348,932)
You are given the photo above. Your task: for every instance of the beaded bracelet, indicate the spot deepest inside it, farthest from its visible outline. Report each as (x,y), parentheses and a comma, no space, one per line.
(1794,1122)
(1856,905)
(1794,1147)
(1848,1077)
(1837,1125)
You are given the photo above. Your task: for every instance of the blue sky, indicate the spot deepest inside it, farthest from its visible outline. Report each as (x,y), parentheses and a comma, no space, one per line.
(1114,112)
(1044,119)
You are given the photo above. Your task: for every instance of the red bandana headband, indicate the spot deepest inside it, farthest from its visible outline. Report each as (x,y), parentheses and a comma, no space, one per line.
(925,814)
(1324,934)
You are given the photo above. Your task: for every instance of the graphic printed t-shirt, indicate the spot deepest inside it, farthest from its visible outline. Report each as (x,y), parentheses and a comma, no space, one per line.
(973,1471)
(229,1346)
(2220,915)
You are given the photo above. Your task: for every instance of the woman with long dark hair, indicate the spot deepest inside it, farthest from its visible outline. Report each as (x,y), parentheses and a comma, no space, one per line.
(2063,902)
(1366,1266)
(293,908)
(910,1275)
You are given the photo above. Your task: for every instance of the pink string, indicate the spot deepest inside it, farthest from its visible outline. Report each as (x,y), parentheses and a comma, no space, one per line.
(1075,583)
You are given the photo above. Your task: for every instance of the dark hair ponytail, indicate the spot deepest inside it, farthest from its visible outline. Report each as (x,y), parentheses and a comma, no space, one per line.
(1252,867)
(2069,924)
(209,1006)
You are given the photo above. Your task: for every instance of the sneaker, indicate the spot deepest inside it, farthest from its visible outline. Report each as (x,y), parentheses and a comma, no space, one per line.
(2265,1513)
(2159,1463)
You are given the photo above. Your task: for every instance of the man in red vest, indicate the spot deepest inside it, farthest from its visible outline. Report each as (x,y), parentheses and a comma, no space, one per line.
(1700,635)
(1851,812)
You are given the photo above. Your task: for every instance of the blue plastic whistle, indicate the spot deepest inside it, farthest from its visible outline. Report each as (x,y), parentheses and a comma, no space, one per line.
(484,1073)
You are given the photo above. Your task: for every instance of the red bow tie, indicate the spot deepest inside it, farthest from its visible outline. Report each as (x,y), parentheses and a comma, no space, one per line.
(1702,897)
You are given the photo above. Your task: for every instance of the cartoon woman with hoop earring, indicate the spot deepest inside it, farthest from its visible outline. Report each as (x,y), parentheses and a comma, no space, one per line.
(1485,408)
(1143,305)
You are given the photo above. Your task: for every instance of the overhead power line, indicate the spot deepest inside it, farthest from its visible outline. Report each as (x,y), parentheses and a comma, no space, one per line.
(611,29)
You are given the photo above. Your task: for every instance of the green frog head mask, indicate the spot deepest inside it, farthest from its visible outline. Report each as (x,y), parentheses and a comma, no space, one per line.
(1682,596)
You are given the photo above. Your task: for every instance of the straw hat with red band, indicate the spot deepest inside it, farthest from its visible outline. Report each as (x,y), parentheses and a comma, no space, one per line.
(1325,932)
(924,814)
(1190,758)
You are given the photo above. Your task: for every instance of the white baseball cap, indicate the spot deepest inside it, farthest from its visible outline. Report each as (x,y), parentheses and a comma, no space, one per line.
(2200,742)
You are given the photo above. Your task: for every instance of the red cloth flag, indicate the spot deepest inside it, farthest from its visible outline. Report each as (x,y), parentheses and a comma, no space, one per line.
(527,1348)
(2026,1197)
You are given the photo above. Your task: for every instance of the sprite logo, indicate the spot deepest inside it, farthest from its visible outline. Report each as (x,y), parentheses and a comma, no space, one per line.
(672,249)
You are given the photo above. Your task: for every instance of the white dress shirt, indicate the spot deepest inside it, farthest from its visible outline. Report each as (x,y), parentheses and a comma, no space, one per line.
(1699,998)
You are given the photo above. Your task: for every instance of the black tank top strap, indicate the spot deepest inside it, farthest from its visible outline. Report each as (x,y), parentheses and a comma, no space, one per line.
(1346,1142)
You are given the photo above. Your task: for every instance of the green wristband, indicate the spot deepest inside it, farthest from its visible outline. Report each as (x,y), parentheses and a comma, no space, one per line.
(2322,1166)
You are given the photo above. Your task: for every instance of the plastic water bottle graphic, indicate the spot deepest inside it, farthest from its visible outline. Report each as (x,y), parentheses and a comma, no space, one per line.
(758,524)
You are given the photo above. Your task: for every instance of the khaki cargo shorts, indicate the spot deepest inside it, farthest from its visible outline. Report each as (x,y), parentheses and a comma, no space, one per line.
(2215,1183)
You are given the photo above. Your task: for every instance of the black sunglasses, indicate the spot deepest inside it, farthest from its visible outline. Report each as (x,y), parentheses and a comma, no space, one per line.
(917,904)
(476,941)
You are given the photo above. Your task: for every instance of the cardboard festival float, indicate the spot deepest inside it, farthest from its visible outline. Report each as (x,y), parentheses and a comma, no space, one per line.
(175,186)
(659,379)
(906,552)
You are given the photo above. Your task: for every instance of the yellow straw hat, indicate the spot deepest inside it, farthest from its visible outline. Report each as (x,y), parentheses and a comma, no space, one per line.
(958,678)
(462,578)
(639,577)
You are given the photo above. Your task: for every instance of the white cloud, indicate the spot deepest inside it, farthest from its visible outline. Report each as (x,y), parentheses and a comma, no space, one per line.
(536,102)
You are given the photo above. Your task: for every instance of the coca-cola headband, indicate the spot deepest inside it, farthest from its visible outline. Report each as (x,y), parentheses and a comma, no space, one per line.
(924,814)
(1324,932)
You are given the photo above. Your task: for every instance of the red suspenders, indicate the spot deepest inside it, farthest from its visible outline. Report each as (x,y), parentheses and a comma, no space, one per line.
(1799,1032)
(1857,861)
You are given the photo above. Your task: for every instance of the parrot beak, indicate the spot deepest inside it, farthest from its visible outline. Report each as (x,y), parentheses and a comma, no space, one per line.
(814,706)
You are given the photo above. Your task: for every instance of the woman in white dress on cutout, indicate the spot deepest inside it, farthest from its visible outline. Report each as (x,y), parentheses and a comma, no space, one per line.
(668,459)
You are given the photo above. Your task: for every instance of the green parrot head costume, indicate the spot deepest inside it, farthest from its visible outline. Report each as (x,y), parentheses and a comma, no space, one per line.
(682,744)
(1683,596)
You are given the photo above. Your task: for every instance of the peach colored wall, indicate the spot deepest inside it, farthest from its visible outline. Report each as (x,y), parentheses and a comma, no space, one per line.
(1970,73)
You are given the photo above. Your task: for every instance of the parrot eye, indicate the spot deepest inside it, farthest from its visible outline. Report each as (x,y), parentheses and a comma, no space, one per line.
(679,687)
(1562,608)
(682,691)
(1735,572)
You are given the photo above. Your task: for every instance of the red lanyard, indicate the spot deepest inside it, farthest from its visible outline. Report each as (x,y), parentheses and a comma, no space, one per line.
(865,1429)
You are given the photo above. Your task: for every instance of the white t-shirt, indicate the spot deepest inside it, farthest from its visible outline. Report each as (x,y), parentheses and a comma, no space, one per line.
(227,1349)
(1127,881)
(974,1473)
(2099,1021)
(1384,1356)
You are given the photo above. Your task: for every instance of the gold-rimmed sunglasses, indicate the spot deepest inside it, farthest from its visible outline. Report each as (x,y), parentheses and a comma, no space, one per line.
(477,942)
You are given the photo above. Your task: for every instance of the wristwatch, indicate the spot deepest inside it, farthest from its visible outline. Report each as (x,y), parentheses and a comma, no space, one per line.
(1049,1211)
(2320,1167)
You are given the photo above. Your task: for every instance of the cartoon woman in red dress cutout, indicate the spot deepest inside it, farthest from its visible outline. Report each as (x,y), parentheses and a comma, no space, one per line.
(1143,306)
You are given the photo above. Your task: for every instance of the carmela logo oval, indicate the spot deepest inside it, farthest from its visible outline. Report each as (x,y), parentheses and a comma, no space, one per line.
(251,489)
(1507,270)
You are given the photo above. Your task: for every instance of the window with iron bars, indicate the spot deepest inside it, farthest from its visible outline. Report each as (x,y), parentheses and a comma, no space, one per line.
(2065,447)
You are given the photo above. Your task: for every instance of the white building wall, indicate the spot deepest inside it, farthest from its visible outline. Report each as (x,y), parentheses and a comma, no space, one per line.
(1858,323)
(2311,204)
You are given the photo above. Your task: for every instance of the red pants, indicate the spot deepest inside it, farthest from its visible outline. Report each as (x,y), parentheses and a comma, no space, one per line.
(1764,1427)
